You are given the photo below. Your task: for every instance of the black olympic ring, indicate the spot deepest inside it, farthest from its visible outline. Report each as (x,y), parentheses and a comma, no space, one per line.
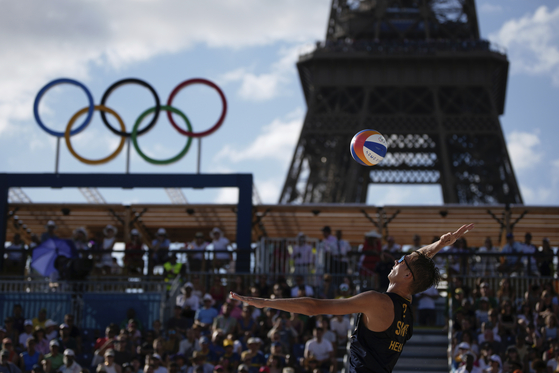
(131,81)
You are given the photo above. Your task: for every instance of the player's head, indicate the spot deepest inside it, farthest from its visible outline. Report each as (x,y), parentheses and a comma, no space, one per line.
(426,273)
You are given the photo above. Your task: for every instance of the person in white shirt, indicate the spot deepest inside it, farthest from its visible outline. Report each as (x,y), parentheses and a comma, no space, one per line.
(189,344)
(28,333)
(343,249)
(196,260)
(189,302)
(220,245)
(321,349)
(51,330)
(392,247)
(300,286)
(80,240)
(329,335)
(159,368)
(341,326)
(303,256)
(199,365)
(488,264)
(416,244)
(109,240)
(329,245)
(469,367)
(70,365)
(426,306)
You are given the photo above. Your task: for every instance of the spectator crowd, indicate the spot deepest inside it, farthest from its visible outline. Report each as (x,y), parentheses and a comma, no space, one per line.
(493,329)
(206,333)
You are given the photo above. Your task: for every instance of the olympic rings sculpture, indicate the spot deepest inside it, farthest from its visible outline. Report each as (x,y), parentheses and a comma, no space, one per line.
(136,131)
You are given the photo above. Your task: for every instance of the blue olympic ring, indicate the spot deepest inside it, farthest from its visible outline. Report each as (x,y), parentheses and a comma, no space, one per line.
(49,86)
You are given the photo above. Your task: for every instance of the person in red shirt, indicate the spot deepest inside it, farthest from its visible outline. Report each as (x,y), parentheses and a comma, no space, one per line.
(371,250)
(104,343)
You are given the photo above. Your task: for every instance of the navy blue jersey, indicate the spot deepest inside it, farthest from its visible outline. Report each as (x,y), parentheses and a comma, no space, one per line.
(378,352)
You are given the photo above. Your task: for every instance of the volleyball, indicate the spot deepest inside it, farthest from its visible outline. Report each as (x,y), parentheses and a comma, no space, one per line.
(368,147)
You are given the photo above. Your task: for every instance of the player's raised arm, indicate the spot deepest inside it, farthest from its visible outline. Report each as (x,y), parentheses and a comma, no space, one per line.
(361,303)
(446,239)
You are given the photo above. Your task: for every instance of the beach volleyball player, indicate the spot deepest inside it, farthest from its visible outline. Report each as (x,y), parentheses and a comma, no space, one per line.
(385,320)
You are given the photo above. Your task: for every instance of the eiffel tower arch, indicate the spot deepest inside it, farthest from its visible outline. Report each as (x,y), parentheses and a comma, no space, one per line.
(418,72)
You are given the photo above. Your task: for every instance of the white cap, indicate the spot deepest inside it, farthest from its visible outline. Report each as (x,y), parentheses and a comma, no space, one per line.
(216,230)
(134,232)
(373,233)
(208,297)
(49,323)
(51,223)
(162,231)
(28,322)
(464,345)
(53,342)
(69,352)
(80,230)
(496,358)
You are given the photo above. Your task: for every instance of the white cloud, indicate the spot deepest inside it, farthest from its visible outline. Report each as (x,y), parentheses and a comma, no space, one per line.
(537,196)
(277,141)
(523,149)
(269,190)
(41,40)
(227,195)
(555,172)
(267,85)
(384,195)
(490,8)
(532,43)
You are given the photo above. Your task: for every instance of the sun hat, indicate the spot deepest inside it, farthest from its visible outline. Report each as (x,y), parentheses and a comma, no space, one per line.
(373,233)
(109,227)
(495,358)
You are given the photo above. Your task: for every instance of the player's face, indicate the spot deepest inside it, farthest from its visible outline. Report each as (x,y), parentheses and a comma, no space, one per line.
(401,267)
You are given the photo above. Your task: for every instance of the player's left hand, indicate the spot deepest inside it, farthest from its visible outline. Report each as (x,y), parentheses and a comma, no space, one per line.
(256,302)
(449,238)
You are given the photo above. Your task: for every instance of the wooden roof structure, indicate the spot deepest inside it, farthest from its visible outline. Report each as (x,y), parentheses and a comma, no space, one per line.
(281,221)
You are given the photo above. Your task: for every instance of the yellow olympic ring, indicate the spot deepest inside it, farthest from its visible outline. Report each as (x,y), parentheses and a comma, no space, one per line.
(94,161)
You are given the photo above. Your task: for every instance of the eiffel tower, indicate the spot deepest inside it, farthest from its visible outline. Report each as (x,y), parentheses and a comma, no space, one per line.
(418,72)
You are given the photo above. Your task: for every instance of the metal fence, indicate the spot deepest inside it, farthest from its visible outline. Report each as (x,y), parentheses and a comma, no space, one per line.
(108,285)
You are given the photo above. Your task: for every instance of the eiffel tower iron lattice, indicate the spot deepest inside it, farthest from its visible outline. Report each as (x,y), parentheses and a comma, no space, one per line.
(417,71)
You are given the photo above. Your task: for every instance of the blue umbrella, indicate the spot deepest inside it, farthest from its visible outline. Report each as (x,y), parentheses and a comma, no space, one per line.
(46,253)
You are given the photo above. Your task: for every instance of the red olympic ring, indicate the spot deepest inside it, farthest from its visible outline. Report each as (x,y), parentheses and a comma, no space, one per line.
(204,82)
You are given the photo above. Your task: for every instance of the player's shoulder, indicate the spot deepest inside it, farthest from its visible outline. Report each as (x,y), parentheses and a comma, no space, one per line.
(378,298)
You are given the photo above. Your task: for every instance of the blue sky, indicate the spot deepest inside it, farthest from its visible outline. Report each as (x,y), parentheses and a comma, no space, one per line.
(249,48)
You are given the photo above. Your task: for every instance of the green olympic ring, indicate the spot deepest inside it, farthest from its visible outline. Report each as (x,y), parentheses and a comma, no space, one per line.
(135,135)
